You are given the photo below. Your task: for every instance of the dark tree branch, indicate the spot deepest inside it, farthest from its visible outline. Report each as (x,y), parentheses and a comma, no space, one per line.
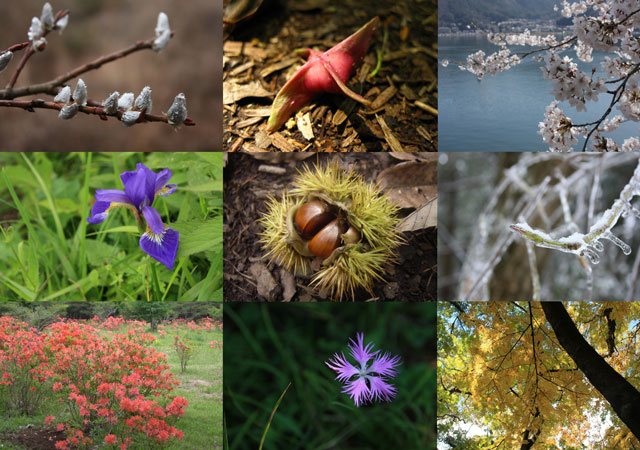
(621,395)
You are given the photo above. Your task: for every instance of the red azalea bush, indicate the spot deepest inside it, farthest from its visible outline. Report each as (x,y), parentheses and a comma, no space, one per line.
(117,389)
(24,366)
(215,343)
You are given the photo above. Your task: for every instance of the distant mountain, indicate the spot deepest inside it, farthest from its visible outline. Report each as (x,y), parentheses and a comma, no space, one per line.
(483,11)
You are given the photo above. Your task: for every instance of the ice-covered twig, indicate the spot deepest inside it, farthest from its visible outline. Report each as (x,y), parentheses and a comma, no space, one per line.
(589,244)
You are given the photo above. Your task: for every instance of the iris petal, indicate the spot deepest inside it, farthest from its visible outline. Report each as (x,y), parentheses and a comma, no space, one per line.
(139,185)
(111,195)
(99,212)
(161,247)
(153,219)
(161,178)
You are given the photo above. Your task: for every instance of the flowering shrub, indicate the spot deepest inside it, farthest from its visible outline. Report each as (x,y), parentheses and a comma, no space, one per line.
(215,343)
(117,386)
(116,390)
(24,366)
(184,351)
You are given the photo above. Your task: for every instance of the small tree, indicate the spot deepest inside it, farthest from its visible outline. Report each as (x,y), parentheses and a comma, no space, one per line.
(184,351)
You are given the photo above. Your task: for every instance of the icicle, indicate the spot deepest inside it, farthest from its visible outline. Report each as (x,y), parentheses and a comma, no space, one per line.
(623,246)
(593,256)
(598,246)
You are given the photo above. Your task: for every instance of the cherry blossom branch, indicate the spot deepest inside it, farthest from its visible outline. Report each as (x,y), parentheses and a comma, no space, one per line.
(615,99)
(93,108)
(30,51)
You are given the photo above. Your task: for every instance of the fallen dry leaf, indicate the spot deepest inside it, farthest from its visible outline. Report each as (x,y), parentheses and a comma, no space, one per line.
(232,92)
(410,184)
(424,217)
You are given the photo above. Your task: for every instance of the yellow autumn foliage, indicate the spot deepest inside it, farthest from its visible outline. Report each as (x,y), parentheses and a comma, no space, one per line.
(505,372)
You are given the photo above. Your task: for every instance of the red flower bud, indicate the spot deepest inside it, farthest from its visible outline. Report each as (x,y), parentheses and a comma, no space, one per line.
(323,72)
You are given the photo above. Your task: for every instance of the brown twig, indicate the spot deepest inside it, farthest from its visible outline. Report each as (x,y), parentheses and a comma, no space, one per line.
(16,47)
(30,51)
(31,105)
(50,87)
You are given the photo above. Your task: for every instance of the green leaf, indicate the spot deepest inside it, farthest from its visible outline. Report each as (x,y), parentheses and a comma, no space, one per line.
(98,252)
(122,229)
(204,187)
(198,236)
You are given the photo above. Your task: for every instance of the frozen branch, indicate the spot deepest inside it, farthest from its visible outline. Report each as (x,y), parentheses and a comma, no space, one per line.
(589,244)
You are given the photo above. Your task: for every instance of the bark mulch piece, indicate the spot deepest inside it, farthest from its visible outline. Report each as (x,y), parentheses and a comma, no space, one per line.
(259,58)
(414,278)
(32,437)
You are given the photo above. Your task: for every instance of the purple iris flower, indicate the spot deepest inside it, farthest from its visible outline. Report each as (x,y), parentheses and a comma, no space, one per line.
(363,383)
(140,190)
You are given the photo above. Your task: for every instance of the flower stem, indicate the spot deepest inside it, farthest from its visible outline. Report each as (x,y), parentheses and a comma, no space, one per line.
(154,279)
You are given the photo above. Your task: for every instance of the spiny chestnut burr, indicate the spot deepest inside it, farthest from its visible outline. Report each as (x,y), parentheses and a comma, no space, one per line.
(338,217)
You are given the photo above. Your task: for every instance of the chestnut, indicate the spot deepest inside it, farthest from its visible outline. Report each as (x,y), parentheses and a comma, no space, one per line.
(312,217)
(328,238)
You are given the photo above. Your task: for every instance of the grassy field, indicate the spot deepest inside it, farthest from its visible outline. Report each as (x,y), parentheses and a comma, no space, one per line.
(200,384)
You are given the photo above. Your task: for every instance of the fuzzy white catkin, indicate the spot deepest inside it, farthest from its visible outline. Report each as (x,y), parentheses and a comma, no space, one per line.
(163,32)
(80,93)
(126,100)
(143,102)
(130,117)
(178,111)
(111,103)
(47,16)
(5,58)
(63,96)
(35,30)
(69,111)
(62,23)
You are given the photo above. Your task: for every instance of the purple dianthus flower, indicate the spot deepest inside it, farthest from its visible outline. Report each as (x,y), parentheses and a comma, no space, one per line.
(140,190)
(366,384)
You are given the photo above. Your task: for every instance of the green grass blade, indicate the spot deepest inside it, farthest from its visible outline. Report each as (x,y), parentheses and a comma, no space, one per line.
(47,194)
(22,291)
(26,217)
(266,429)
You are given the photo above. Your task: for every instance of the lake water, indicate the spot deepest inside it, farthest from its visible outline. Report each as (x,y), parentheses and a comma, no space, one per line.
(502,112)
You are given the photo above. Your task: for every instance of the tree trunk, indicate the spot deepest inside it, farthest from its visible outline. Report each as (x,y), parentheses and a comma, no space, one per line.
(621,395)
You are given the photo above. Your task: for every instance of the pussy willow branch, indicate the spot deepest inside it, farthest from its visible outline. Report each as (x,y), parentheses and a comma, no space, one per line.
(94,108)
(50,87)
(17,47)
(30,51)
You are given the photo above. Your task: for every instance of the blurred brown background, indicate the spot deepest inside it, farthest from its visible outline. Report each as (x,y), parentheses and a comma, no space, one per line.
(191,63)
